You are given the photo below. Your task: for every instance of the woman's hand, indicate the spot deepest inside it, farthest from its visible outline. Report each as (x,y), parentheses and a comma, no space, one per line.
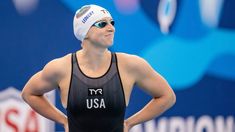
(66,126)
(126,126)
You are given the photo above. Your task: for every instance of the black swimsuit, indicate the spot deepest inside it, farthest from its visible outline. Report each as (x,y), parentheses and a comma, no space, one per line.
(96,104)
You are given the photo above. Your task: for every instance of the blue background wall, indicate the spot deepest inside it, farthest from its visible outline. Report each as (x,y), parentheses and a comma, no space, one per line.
(196,56)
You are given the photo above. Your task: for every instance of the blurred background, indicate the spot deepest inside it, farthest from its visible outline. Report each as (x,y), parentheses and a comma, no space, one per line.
(190,42)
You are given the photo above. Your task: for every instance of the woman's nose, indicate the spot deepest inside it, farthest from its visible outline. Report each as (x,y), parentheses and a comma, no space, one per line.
(110,27)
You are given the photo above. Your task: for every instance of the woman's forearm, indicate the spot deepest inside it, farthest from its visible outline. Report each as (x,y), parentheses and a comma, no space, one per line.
(153,109)
(42,106)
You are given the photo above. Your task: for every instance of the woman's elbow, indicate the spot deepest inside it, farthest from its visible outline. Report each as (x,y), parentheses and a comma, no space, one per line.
(172,98)
(24,95)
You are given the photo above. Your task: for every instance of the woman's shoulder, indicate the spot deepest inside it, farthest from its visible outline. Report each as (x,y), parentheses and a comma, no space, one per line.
(130,60)
(58,65)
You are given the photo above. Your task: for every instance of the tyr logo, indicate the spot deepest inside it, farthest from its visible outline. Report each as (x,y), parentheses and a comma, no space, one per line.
(95,91)
(105,11)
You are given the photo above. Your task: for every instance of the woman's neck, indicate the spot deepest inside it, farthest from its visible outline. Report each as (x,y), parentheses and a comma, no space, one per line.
(93,59)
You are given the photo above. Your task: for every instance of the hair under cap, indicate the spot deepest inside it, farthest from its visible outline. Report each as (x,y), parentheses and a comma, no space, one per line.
(85,17)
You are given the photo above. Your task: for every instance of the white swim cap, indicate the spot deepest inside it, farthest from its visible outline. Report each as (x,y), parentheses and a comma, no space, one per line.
(85,17)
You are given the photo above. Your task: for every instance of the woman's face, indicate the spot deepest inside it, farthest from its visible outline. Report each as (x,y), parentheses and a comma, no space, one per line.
(102,32)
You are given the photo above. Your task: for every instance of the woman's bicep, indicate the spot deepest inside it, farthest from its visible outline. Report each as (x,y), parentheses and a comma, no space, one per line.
(38,85)
(150,81)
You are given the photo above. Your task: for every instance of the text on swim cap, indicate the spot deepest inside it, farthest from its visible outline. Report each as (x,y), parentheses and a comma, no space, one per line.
(87,17)
(104,11)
